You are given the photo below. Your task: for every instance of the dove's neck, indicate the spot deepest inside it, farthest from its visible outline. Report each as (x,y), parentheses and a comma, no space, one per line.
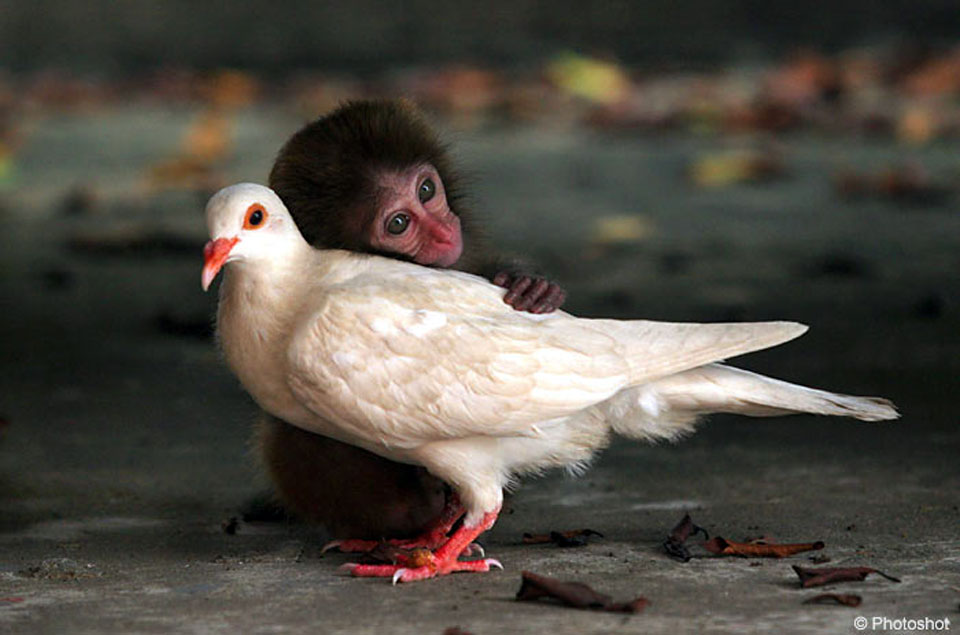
(261,289)
(259,302)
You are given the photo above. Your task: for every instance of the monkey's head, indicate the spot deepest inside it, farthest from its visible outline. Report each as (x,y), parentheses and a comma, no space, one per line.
(372,176)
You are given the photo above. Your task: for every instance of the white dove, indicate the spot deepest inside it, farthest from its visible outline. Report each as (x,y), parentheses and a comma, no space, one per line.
(430,367)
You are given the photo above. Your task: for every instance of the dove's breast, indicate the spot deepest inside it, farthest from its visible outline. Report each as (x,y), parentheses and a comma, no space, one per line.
(252,327)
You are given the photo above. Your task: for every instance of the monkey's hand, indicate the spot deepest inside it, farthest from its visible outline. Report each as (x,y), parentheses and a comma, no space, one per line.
(526,292)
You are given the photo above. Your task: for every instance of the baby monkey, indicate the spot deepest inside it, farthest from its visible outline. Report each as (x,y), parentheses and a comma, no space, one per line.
(372,176)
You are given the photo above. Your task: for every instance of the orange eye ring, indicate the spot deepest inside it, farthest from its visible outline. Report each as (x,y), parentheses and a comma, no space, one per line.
(255,218)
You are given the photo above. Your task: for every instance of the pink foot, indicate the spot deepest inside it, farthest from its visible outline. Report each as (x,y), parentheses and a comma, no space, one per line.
(410,574)
(422,564)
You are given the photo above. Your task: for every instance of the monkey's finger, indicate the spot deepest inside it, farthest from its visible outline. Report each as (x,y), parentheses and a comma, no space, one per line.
(551,301)
(502,279)
(533,294)
(517,289)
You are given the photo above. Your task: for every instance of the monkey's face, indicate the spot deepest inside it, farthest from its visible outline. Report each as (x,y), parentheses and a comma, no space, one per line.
(414,219)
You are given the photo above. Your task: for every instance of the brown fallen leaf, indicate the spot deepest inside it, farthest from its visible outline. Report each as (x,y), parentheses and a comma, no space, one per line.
(575,594)
(846,599)
(571,538)
(674,544)
(758,549)
(827,575)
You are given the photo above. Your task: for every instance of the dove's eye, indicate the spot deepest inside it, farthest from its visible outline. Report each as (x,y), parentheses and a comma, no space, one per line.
(398,224)
(255,217)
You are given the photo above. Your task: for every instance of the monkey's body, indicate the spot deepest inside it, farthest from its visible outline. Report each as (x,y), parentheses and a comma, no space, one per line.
(351,492)
(345,178)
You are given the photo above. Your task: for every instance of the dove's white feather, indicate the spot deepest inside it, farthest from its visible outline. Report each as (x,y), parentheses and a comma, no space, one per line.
(463,363)
(432,367)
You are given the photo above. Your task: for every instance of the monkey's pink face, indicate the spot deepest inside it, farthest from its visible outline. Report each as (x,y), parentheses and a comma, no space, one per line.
(414,219)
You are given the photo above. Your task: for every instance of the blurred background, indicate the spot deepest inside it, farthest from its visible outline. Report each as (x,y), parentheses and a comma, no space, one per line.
(698,153)
(680,160)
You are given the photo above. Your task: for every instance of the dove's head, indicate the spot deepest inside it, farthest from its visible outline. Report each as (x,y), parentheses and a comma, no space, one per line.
(247,222)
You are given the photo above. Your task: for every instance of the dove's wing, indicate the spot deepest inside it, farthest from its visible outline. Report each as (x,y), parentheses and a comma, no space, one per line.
(435,356)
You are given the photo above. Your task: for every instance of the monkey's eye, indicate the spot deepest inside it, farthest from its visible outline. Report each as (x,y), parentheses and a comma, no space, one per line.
(428,189)
(398,224)
(254,217)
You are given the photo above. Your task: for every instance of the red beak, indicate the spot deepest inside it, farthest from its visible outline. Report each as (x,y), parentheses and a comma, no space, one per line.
(215,254)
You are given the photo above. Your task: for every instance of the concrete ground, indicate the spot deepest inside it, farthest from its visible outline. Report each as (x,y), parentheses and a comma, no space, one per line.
(124,448)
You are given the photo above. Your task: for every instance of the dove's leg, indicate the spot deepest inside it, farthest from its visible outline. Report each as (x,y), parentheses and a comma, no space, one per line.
(434,536)
(442,561)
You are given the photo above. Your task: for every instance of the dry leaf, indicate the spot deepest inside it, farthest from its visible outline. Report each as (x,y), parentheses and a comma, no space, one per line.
(758,549)
(827,575)
(674,544)
(575,594)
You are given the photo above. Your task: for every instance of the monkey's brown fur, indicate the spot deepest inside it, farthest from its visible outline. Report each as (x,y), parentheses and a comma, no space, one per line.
(325,175)
(349,491)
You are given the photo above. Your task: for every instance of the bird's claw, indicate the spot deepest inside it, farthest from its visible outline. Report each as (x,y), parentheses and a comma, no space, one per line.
(404,574)
(432,569)
(333,544)
(422,564)
(474,549)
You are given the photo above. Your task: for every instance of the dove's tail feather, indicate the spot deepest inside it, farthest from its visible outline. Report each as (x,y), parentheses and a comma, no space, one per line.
(660,349)
(669,407)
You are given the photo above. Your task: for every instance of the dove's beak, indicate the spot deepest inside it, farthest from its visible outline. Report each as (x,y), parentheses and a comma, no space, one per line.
(215,254)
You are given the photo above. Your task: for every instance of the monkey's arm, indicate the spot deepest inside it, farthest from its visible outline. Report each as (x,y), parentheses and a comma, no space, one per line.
(527,289)
(530,292)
